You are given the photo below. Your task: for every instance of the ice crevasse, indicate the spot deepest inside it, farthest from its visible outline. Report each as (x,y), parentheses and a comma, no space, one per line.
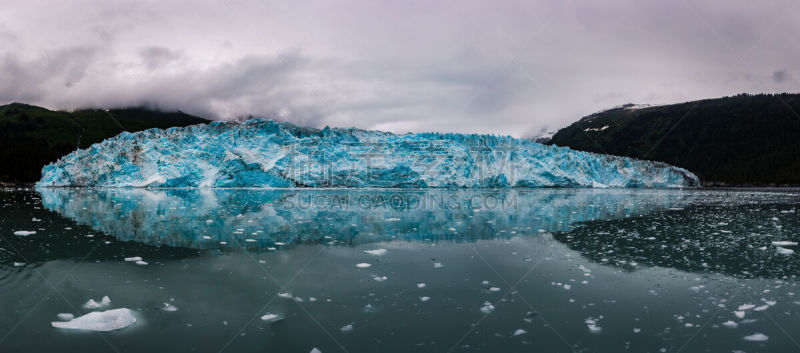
(265,153)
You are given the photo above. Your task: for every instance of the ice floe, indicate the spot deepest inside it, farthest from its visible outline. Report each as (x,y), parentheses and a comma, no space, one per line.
(103,321)
(593,325)
(784,243)
(376,252)
(25,233)
(104,302)
(487,308)
(168,307)
(363,265)
(756,337)
(730,324)
(270,317)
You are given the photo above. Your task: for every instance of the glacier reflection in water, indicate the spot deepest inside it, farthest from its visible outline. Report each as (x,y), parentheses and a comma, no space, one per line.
(264,219)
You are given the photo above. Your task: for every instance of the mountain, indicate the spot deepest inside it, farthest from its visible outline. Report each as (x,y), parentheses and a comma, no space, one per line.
(264,153)
(31,136)
(740,140)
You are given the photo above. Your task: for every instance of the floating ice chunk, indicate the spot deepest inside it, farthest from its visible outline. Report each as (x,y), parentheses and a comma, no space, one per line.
(756,337)
(65,316)
(420,285)
(169,307)
(746,306)
(363,265)
(110,320)
(494,289)
(437,265)
(34,219)
(769,302)
(424,299)
(567,287)
(271,317)
(141,263)
(636,330)
(784,243)
(730,324)
(209,221)
(347,328)
(133,259)
(739,314)
(206,237)
(593,325)
(315,350)
(519,332)
(19,264)
(380,278)
(104,302)
(376,252)
(25,233)
(761,308)
(285,295)
(783,251)
(487,308)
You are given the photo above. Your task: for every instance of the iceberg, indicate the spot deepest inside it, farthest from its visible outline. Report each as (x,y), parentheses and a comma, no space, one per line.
(267,154)
(103,321)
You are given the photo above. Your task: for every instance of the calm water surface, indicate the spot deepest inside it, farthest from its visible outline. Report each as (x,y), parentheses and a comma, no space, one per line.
(449,271)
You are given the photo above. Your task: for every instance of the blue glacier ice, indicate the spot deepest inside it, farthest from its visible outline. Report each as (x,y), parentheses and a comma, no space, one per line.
(264,153)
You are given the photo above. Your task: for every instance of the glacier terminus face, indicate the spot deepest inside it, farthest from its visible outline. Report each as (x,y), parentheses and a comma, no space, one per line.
(264,153)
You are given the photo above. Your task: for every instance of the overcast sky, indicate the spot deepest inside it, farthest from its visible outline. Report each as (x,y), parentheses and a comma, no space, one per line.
(504,67)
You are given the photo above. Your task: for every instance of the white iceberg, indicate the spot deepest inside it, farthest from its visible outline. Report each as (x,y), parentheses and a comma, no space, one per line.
(756,337)
(104,302)
(65,316)
(168,307)
(784,243)
(24,233)
(103,321)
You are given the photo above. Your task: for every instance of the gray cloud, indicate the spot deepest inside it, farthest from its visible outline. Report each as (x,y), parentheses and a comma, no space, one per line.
(468,66)
(155,57)
(781,76)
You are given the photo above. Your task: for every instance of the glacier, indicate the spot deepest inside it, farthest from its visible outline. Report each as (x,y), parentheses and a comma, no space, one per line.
(268,154)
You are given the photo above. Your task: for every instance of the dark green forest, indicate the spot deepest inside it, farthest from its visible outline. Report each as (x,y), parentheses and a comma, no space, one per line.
(31,136)
(740,140)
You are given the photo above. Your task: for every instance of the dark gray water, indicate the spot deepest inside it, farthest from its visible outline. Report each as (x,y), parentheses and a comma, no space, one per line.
(503,270)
